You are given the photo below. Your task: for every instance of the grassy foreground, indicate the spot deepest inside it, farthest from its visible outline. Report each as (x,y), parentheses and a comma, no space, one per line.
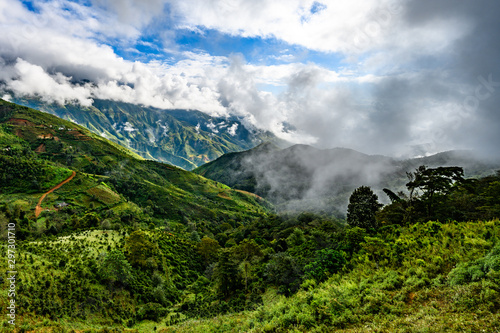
(429,277)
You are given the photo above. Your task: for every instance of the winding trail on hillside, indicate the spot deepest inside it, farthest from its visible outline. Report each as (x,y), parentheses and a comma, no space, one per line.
(38,208)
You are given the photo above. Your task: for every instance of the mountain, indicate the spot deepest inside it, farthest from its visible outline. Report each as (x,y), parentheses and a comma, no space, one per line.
(39,149)
(185,138)
(302,177)
(102,240)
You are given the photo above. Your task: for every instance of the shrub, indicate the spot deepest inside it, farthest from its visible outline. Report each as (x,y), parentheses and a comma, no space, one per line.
(328,261)
(151,311)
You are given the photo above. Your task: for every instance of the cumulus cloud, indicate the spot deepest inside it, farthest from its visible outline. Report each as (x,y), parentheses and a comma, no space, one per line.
(28,79)
(332,28)
(413,76)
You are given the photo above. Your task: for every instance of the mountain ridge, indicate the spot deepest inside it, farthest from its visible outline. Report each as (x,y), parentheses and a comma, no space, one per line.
(41,142)
(185,138)
(302,176)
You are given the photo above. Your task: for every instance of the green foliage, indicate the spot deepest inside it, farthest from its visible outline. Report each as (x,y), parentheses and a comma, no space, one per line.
(23,172)
(363,205)
(284,271)
(476,270)
(226,274)
(296,238)
(115,268)
(434,182)
(151,311)
(140,251)
(404,292)
(208,249)
(442,194)
(353,239)
(328,262)
(89,220)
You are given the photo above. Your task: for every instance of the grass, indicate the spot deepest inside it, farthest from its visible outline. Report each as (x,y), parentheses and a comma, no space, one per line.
(104,194)
(89,243)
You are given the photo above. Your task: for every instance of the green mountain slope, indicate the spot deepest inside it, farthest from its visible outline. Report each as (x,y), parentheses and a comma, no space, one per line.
(134,245)
(305,178)
(103,249)
(422,278)
(180,137)
(36,146)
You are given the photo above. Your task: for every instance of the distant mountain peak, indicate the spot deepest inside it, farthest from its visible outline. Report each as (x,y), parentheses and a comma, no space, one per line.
(184,138)
(266,147)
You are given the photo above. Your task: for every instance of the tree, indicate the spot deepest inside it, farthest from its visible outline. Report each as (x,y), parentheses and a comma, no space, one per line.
(431,192)
(433,182)
(401,210)
(284,271)
(296,238)
(328,261)
(247,252)
(89,220)
(115,268)
(208,249)
(139,250)
(363,205)
(226,273)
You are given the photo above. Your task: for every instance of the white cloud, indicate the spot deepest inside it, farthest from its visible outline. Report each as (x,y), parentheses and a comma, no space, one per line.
(151,135)
(127,127)
(232,130)
(33,80)
(163,127)
(212,127)
(407,65)
(133,12)
(351,26)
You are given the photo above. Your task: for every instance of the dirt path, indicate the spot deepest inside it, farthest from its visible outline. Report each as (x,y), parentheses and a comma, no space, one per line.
(38,208)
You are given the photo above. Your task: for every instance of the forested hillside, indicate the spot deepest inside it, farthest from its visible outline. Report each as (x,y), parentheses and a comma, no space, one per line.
(130,245)
(108,232)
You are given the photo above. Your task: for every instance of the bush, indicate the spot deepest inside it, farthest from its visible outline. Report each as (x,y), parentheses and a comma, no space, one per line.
(151,311)
(328,261)
(392,281)
(476,270)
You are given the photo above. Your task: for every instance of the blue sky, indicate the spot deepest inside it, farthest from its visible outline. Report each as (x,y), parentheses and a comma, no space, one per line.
(396,77)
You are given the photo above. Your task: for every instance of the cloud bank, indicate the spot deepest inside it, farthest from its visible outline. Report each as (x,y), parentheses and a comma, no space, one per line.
(406,77)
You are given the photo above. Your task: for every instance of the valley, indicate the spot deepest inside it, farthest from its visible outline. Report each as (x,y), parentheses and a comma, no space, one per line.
(108,241)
